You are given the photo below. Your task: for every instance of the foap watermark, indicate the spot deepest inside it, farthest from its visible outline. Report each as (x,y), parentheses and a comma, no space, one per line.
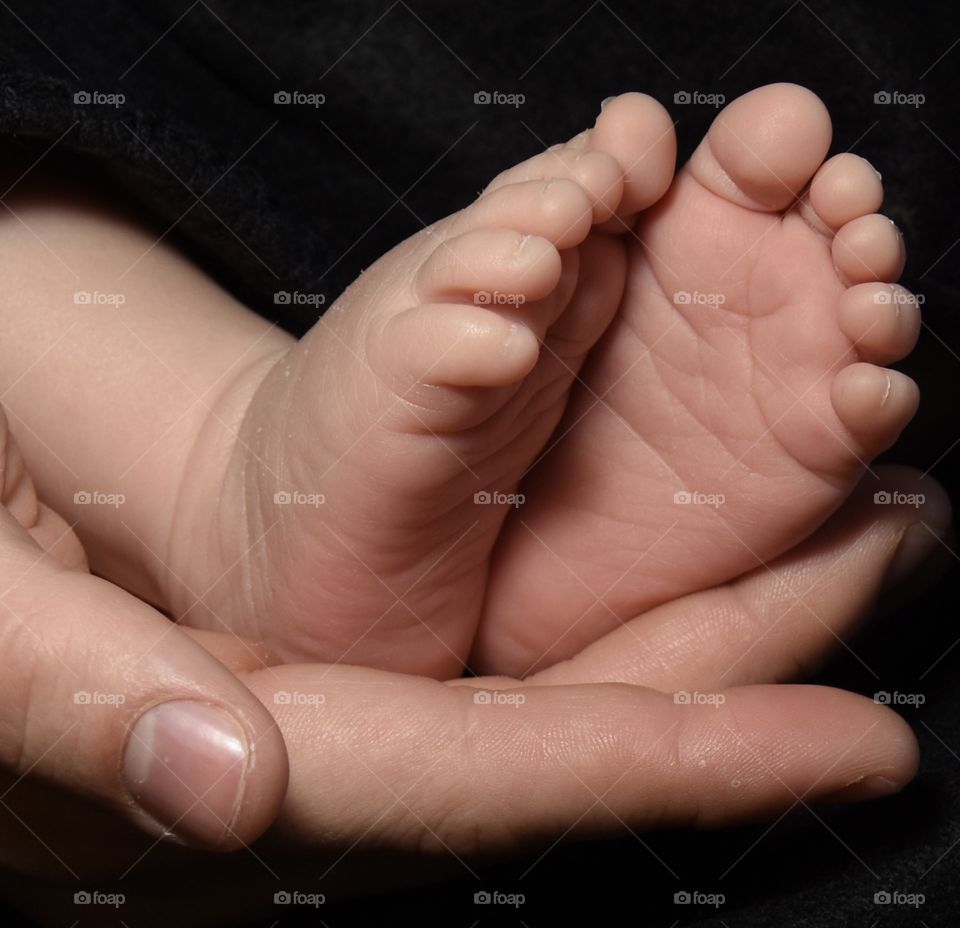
(895,897)
(898,498)
(98,98)
(297,298)
(98,498)
(299,98)
(496,298)
(695,897)
(696,498)
(95,897)
(496,498)
(896,698)
(697,298)
(498,98)
(298,498)
(96,298)
(898,297)
(495,897)
(295,897)
(696,698)
(699,98)
(897,98)
(96,698)
(498,698)
(298,698)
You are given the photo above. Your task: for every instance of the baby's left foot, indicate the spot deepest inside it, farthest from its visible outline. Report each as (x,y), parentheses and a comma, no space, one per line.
(735,399)
(376,461)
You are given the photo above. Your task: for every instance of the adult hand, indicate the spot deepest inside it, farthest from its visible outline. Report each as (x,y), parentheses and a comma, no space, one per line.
(107,700)
(431,775)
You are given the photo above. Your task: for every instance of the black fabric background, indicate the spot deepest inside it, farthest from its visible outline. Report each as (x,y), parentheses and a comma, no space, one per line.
(302,199)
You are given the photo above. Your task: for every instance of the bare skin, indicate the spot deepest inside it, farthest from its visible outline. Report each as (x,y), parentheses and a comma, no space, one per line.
(321,496)
(736,398)
(427,775)
(201,449)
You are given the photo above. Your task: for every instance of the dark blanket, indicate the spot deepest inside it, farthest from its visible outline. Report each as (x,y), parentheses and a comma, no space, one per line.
(296,198)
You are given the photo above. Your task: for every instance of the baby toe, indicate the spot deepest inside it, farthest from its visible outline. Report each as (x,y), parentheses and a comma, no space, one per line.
(638,133)
(601,279)
(845,188)
(869,248)
(451,344)
(764,147)
(597,173)
(874,404)
(556,209)
(495,267)
(882,321)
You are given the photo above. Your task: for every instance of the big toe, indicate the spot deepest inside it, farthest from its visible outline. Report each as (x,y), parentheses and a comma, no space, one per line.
(763,149)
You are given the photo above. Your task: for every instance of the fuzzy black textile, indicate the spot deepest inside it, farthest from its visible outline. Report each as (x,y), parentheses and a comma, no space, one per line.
(297,198)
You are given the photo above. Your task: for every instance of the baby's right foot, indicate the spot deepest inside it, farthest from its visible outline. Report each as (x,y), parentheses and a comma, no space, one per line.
(376,460)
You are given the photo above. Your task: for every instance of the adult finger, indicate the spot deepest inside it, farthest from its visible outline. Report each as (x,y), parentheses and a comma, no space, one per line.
(461,770)
(777,622)
(107,699)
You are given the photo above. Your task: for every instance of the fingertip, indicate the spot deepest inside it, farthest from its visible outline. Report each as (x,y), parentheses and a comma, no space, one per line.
(210,776)
(895,765)
(791,744)
(264,786)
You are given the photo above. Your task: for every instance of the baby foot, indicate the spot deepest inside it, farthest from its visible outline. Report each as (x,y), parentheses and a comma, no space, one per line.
(369,454)
(733,402)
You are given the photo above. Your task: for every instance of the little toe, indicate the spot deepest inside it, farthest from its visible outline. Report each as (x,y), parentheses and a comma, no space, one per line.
(869,248)
(556,209)
(874,404)
(499,267)
(845,188)
(597,173)
(638,133)
(764,147)
(882,321)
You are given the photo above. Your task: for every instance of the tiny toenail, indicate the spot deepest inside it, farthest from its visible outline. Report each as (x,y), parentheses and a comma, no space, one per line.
(887,391)
(547,184)
(605,101)
(523,241)
(875,171)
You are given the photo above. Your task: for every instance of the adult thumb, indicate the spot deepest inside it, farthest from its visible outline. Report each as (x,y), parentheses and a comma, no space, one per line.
(107,699)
